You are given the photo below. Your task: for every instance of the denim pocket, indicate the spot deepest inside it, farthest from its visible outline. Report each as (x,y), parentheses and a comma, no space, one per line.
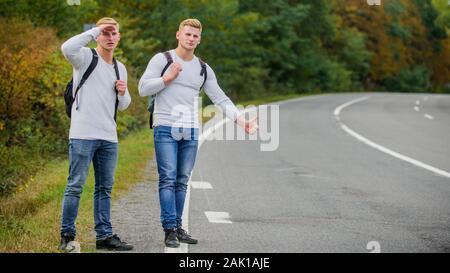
(166,134)
(80,147)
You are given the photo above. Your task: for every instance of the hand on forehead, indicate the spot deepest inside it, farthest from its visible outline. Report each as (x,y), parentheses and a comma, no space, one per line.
(109,27)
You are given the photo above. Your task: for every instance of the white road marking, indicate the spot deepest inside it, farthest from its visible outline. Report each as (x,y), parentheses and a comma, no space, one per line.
(429,117)
(384,149)
(338,110)
(218,217)
(201,185)
(416,108)
(181,249)
(418,102)
(185,219)
(184,247)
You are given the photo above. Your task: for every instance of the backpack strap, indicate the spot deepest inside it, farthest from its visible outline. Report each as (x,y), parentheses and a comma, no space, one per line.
(203,72)
(116,69)
(169,62)
(86,74)
(151,99)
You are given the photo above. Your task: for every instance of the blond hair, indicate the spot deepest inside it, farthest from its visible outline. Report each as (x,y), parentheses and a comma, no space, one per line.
(191,22)
(107,20)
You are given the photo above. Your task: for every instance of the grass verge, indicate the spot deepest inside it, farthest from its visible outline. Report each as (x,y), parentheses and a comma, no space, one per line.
(30,218)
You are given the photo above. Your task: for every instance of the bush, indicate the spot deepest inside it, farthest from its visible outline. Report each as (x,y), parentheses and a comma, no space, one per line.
(24,52)
(413,79)
(33,123)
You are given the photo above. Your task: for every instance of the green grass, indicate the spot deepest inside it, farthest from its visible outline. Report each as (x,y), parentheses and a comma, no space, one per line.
(30,218)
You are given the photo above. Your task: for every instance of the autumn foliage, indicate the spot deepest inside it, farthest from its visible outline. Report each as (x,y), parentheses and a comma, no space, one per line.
(29,94)
(404,39)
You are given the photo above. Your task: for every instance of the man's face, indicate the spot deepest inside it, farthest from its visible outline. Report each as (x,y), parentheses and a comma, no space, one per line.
(109,38)
(189,37)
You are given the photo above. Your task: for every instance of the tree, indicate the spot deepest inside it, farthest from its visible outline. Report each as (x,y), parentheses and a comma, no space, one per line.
(401,34)
(66,19)
(443,18)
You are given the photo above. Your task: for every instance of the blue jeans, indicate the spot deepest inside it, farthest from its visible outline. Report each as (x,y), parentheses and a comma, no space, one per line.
(176,149)
(103,154)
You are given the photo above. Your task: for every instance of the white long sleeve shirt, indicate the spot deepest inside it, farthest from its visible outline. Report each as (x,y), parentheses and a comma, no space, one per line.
(94,118)
(176,105)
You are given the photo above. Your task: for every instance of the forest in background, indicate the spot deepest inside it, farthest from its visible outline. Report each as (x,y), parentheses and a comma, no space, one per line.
(257,48)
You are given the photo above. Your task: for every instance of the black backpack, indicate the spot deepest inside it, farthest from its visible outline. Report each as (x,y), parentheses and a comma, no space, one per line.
(69,98)
(151,99)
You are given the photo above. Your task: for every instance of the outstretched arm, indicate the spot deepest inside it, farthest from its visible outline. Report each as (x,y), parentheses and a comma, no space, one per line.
(250,126)
(218,97)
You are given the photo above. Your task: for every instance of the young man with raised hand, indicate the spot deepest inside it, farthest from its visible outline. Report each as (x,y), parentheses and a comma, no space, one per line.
(93,128)
(175,78)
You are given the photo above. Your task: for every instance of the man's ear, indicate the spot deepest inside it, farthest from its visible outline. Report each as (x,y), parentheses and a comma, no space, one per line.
(177,35)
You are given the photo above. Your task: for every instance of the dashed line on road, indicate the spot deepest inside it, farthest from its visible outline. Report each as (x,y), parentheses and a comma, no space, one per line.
(201,185)
(383,149)
(416,108)
(185,219)
(218,217)
(429,116)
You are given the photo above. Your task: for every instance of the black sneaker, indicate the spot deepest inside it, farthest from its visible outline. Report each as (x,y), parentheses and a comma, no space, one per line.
(184,237)
(170,238)
(113,243)
(65,239)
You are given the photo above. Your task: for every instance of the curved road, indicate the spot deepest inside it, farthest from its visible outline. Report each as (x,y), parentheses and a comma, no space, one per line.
(323,190)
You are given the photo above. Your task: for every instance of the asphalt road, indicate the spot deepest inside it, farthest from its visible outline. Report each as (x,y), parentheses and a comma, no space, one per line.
(323,190)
